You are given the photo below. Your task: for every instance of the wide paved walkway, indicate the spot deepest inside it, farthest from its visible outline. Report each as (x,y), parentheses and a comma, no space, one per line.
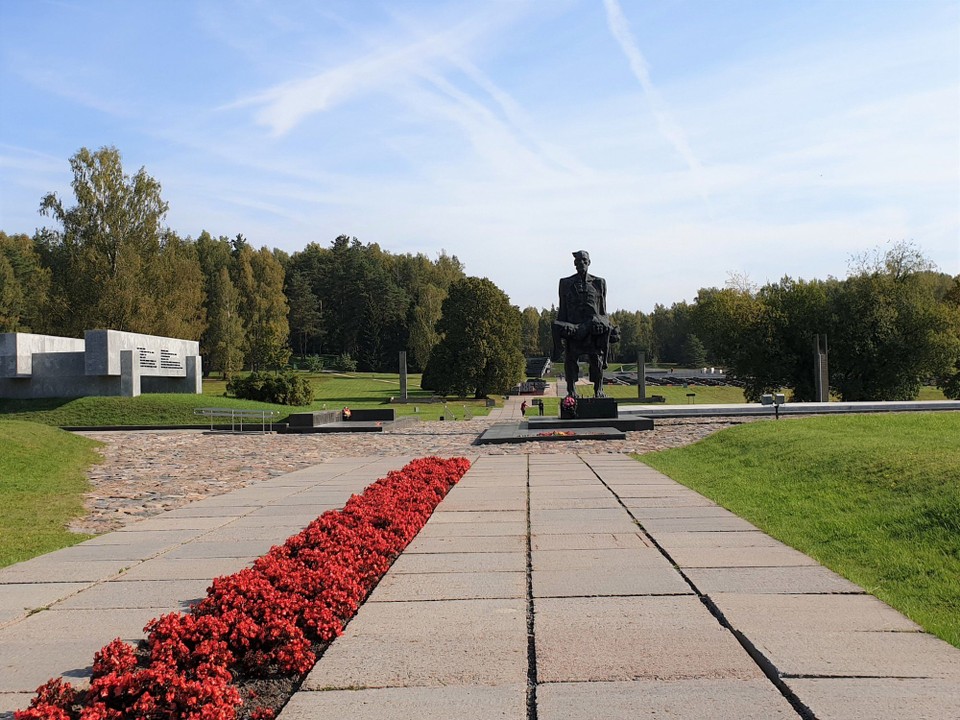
(543,587)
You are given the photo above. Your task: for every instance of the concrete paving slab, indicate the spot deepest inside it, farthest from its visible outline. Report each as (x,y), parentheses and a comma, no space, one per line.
(736,557)
(621,525)
(603,515)
(490,504)
(872,699)
(745,539)
(688,699)
(811,613)
(459,562)
(10,702)
(476,529)
(17,600)
(589,541)
(193,510)
(161,522)
(424,703)
(442,516)
(593,490)
(258,523)
(648,490)
(581,583)
(492,543)
(185,569)
(732,522)
(644,512)
(225,549)
(584,485)
(450,586)
(62,643)
(859,654)
(265,532)
(607,639)
(294,513)
(791,580)
(42,570)
(128,552)
(470,493)
(668,501)
(163,539)
(549,503)
(156,594)
(321,498)
(600,561)
(458,642)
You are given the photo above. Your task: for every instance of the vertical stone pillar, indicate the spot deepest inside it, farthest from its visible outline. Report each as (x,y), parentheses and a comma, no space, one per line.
(194,380)
(641,376)
(129,374)
(820,368)
(403,374)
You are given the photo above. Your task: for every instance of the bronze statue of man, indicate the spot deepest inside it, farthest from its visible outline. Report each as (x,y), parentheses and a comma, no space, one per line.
(582,326)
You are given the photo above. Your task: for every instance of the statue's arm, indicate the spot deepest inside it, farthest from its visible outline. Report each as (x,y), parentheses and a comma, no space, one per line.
(562,310)
(603,296)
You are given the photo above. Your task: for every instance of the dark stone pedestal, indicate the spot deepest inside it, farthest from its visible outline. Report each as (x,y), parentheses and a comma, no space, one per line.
(590,409)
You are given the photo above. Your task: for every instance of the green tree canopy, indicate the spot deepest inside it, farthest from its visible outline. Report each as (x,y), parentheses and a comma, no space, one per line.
(24,285)
(224,341)
(479,349)
(263,306)
(530,332)
(113,265)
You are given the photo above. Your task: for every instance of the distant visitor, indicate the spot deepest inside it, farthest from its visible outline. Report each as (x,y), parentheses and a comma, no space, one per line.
(582,327)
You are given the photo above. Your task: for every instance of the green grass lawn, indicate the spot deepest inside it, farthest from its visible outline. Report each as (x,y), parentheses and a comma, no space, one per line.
(331,392)
(42,481)
(876,498)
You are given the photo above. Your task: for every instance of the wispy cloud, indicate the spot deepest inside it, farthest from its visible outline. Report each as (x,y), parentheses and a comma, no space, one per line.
(667,124)
(286,105)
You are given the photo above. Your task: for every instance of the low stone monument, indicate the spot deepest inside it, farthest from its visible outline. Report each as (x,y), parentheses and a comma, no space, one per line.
(105,362)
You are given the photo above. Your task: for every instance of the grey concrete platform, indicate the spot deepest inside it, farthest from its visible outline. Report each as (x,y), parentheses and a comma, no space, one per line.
(576,586)
(626,421)
(503,433)
(800,408)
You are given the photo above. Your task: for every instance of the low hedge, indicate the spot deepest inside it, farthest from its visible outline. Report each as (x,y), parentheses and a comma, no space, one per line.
(281,389)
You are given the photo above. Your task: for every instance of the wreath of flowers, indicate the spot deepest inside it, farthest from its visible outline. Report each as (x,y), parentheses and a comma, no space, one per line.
(557,433)
(347,413)
(569,403)
(264,621)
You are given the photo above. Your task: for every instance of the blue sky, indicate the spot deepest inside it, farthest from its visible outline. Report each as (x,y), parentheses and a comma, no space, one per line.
(679,141)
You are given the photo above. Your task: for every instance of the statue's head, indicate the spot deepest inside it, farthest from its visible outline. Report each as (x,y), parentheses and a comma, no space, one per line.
(581,260)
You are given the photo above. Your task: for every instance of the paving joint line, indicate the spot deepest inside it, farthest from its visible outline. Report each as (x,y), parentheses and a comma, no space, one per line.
(762,661)
(531,629)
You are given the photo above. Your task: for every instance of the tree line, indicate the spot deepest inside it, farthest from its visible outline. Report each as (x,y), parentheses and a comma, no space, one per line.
(110,262)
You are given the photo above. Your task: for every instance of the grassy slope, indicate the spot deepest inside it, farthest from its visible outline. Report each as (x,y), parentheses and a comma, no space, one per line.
(874,497)
(331,392)
(42,481)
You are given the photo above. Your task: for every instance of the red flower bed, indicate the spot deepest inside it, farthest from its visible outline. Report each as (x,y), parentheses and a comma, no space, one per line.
(263,621)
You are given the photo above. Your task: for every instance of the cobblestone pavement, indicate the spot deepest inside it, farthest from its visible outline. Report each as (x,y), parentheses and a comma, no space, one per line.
(147,472)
